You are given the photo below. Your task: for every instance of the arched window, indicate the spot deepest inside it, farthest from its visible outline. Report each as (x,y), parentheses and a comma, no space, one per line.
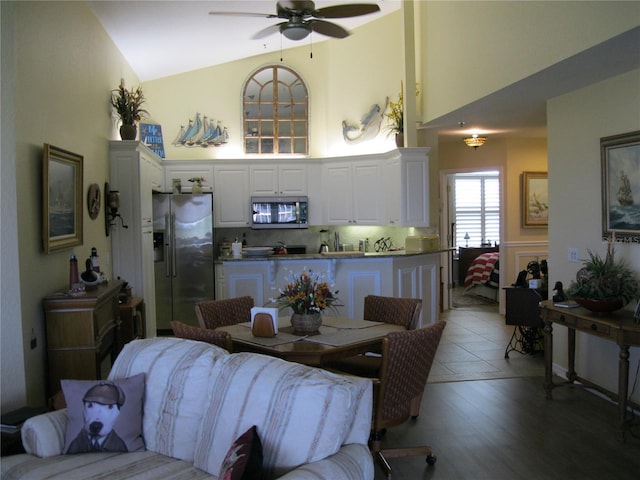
(275,103)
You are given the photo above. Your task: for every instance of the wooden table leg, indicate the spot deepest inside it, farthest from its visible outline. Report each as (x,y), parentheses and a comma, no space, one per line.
(571,340)
(548,357)
(623,385)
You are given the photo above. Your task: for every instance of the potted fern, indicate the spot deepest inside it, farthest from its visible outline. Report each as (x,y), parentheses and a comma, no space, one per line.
(128,106)
(603,285)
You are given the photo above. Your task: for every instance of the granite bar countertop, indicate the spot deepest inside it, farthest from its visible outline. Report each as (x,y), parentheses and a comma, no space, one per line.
(328,256)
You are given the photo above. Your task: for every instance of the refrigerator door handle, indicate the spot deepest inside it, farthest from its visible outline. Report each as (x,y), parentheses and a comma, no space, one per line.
(167,246)
(173,245)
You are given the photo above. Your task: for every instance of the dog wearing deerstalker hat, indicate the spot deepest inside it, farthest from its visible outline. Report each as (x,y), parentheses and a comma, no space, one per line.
(101,407)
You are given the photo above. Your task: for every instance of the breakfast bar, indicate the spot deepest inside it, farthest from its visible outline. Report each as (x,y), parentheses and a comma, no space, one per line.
(353,274)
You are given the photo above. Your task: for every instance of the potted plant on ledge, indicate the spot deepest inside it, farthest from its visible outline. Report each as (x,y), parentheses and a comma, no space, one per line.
(604,285)
(128,106)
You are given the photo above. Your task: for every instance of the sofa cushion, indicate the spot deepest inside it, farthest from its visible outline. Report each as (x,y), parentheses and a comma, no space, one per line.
(104,415)
(300,412)
(244,458)
(178,376)
(142,465)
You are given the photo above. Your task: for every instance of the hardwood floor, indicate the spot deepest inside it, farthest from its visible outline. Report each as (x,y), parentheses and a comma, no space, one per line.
(504,428)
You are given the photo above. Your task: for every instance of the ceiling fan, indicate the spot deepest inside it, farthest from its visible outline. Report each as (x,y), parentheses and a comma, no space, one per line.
(302,18)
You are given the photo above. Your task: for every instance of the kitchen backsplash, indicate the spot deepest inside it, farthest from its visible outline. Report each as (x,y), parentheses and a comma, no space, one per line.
(313,237)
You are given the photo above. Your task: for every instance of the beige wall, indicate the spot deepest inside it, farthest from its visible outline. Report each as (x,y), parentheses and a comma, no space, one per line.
(576,122)
(474,48)
(65,66)
(343,84)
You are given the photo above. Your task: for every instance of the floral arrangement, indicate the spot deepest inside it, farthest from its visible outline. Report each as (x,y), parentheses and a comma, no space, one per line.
(396,113)
(128,104)
(198,180)
(306,293)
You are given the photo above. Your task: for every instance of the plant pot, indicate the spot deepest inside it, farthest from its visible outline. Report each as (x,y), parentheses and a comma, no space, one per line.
(128,132)
(197,188)
(306,323)
(400,140)
(599,307)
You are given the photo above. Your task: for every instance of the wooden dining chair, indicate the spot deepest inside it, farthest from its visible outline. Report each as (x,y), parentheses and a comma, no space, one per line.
(406,362)
(398,311)
(215,337)
(220,313)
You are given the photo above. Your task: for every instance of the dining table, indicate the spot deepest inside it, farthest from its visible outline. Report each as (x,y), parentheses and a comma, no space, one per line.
(338,337)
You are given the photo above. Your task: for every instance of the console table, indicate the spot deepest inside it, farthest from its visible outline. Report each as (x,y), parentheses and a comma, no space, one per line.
(617,327)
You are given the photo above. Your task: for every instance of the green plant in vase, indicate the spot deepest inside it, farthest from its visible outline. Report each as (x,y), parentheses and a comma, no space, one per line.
(128,106)
(604,284)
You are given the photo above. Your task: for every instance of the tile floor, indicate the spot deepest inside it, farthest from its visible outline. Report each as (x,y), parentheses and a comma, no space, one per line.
(473,347)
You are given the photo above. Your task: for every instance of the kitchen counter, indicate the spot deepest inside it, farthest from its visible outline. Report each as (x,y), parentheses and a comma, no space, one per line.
(329,255)
(353,275)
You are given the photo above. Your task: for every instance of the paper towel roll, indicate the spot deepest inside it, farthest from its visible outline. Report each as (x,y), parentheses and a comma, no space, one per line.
(236,248)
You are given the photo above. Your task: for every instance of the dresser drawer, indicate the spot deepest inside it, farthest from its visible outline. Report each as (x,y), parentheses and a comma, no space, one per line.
(594,327)
(562,318)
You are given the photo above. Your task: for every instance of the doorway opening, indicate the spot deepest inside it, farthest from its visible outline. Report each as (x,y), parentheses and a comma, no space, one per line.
(472,221)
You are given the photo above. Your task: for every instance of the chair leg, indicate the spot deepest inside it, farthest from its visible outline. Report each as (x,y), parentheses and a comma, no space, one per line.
(414,409)
(384,465)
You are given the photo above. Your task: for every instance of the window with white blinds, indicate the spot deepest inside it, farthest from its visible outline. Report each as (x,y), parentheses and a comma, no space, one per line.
(477,207)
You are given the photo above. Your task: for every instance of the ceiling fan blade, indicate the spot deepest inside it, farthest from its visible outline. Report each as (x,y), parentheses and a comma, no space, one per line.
(245,14)
(265,32)
(349,10)
(327,28)
(303,6)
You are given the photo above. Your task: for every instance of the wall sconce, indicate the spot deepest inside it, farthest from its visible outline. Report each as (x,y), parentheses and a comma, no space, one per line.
(475,141)
(112,201)
(466,238)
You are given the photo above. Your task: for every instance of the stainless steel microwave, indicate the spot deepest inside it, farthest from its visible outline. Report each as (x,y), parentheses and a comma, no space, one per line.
(279,212)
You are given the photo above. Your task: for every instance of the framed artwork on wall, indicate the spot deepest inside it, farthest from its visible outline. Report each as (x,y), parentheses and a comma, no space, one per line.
(620,156)
(535,200)
(61,199)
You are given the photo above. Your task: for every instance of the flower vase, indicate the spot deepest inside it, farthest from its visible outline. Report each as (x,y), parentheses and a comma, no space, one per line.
(197,188)
(399,140)
(128,132)
(306,323)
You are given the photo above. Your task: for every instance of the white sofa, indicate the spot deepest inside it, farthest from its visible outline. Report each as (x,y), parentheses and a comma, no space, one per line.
(198,400)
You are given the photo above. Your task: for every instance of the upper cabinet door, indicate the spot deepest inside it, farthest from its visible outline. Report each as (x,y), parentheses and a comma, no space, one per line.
(231,196)
(278,179)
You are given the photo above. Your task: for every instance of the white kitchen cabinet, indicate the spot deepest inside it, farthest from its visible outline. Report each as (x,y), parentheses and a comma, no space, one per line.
(231,196)
(406,187)
(353,192)
(281,179)
(183,171)
(134,174)
(246,278)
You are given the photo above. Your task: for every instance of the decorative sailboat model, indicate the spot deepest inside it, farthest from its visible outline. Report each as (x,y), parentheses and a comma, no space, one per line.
(201,133)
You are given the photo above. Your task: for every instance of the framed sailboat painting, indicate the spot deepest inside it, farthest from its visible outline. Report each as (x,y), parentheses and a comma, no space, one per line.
(620,155)
(61,199)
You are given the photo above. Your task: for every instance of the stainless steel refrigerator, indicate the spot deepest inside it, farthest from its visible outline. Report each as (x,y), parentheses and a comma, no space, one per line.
(183,256)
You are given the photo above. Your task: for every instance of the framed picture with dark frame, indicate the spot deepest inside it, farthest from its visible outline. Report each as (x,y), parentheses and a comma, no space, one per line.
(620,156)
(535,200)
(62,193)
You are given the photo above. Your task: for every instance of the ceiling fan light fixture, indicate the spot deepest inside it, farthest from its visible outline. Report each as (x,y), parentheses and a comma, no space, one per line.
(295,31)
(475,141)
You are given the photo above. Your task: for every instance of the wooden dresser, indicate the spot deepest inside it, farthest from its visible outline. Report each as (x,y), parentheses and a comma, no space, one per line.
(81,334)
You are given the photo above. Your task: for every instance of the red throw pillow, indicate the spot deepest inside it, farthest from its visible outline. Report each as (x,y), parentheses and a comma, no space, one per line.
(243,461)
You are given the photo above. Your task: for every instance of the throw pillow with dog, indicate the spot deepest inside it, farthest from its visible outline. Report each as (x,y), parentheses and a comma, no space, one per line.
(104,416)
